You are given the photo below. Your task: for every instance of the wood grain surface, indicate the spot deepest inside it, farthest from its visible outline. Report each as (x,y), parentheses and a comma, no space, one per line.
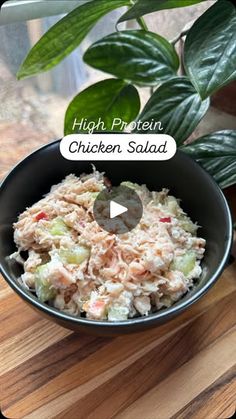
(183,369)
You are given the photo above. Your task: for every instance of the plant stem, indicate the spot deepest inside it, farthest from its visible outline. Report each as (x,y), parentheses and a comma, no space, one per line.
(142,23)
(178,37)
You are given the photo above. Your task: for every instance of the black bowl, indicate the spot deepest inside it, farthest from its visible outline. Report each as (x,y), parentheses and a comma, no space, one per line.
(201,199)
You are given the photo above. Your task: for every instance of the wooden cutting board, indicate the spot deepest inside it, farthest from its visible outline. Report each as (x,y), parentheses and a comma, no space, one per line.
(184,369)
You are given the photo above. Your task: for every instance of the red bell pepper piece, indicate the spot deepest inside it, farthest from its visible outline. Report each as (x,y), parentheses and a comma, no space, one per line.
(41,216)
(165,220)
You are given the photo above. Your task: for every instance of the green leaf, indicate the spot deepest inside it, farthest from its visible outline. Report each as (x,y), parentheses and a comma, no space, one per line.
(210,49)
(143,7)
(217,144)
(177,106)
(223,169)
(140,57)
(108,99)
(216,152)
(65,36)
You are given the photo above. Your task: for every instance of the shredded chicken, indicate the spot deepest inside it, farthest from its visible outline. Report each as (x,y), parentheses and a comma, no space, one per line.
(83,270)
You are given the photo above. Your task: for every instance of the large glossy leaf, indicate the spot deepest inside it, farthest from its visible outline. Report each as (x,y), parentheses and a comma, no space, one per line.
(210,49)
(177,106)
(217,154)
(141,57)
(106,100)
(223,169)
(65,36)
(217,144)
(143,7)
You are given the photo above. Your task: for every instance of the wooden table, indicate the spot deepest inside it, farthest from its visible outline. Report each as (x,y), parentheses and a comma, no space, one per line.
(184,369)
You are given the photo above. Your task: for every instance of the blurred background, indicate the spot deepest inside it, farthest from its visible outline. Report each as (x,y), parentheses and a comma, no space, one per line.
(32,110)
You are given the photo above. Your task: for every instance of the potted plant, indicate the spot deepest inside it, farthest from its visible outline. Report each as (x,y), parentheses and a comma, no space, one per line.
(143,58)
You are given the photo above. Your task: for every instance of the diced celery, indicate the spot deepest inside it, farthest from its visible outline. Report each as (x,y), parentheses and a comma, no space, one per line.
(131,185)
(184,263)
(43,288)
(94,194)
(118,313)
(187,224)
(58,227)
(87,195)
(76,255)
(173,205)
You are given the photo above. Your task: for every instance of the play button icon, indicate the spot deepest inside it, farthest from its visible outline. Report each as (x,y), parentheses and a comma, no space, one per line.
(118,210)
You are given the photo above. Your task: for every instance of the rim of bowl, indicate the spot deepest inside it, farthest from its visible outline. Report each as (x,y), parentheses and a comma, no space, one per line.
(152,318)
